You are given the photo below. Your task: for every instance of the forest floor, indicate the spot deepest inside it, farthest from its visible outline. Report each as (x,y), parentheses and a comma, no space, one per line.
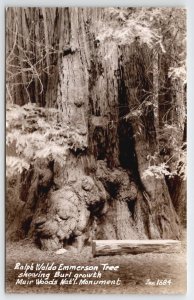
(134,273)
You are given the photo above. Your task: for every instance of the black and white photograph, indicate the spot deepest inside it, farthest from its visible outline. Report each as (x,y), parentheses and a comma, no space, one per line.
(96,146)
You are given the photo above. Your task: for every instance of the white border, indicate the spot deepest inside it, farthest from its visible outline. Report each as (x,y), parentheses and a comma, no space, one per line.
(190,205)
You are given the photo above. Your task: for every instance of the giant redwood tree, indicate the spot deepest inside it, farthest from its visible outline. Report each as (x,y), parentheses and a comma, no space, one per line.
(95,124)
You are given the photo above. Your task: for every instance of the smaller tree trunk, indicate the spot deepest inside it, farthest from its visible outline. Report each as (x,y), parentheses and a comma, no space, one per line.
(100,247)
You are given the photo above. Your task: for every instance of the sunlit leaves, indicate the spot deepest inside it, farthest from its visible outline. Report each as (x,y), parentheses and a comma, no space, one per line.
(34,132)
(178,73)
(15,165)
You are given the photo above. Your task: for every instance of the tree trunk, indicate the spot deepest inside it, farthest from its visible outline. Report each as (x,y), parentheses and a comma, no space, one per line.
(172,112)
(101,191)
(137,67)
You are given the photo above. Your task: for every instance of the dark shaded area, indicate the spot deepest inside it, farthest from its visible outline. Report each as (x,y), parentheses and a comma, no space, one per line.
(127,153)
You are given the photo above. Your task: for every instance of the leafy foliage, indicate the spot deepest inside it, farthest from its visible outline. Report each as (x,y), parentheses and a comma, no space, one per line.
(15,165)
(149,24)
(34,132)
(178,73)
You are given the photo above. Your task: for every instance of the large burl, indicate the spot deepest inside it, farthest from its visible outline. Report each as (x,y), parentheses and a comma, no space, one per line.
(69,214)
